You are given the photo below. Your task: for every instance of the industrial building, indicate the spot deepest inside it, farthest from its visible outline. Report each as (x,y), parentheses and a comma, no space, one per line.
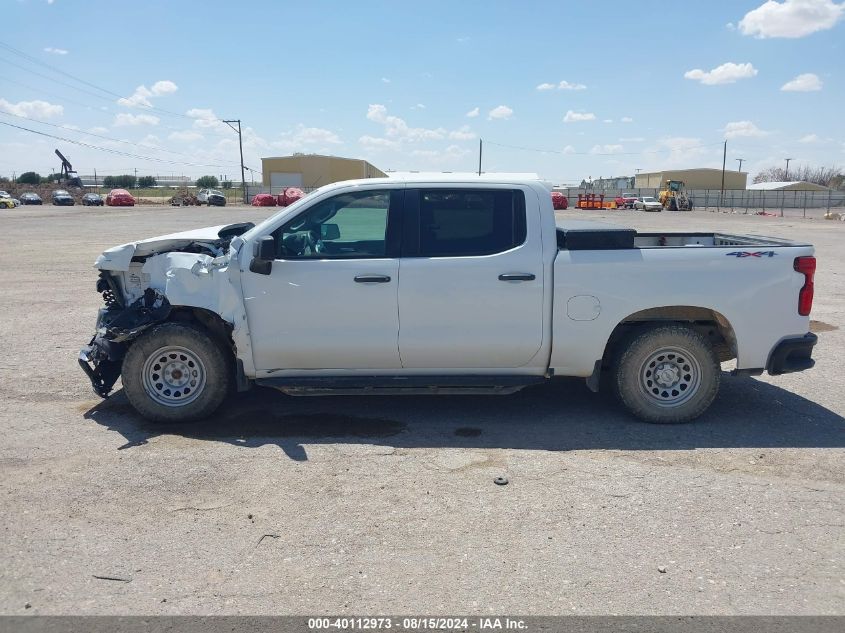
(701,178)
(308,171)
(794,185)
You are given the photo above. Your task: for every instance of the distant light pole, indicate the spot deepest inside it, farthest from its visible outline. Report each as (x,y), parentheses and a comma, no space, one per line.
(741,160)
(241,147)
(786,173)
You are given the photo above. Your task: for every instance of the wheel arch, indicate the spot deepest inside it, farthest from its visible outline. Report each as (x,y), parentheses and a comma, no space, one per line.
(707,321)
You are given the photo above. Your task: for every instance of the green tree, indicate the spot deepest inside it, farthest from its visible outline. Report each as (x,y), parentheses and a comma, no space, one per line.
(54,177)
(29,178)
(124,181)
(208,182)
(146,182)
(226,184)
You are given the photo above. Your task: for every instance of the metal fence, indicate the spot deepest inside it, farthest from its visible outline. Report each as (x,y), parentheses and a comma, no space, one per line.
(779,202)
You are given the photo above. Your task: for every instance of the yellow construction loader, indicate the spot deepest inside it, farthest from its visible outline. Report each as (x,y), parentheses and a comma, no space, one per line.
(674,197)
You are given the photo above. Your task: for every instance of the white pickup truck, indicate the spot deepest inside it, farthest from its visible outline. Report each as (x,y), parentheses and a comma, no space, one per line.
(457,285)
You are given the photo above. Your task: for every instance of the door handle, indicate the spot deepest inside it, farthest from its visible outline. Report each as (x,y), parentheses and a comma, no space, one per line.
(517,277)
(372,279)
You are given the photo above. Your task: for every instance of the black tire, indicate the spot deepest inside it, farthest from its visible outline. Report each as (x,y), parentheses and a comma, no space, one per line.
(689,381)
(185,349)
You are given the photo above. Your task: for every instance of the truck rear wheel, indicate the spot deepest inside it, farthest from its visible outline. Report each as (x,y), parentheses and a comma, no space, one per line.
(175,373)
(667,375)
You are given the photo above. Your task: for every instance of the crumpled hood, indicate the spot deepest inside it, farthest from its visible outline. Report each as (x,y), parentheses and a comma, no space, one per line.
(119,257)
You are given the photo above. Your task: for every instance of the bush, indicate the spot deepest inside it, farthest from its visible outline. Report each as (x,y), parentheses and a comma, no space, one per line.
(29,178)
(146,182)
(207,182)
(227,184)
(125,181)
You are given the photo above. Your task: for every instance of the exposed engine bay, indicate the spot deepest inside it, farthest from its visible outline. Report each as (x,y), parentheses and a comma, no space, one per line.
(141,283)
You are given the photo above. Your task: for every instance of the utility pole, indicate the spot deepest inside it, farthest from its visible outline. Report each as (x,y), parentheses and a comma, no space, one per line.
(136,178)
(241,147)
(740,160)
(480,144)
(96,184)
(724,158)
(786,173)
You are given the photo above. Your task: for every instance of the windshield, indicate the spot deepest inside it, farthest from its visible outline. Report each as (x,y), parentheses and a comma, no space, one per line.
(647,199)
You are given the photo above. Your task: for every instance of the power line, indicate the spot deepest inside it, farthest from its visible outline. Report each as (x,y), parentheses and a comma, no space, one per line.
(112,151)
(59,71)
(106,138)
(563,152)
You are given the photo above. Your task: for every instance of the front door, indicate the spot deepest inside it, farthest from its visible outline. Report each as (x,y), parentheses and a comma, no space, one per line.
(330,301)
(471,282)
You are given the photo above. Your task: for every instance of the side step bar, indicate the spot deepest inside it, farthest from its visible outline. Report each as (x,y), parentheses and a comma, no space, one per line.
(305,385)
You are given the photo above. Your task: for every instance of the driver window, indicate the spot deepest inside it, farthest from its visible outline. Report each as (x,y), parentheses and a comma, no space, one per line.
(351,225)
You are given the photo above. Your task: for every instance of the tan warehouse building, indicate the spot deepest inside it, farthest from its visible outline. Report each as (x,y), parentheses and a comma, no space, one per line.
(702,178)
(308,171)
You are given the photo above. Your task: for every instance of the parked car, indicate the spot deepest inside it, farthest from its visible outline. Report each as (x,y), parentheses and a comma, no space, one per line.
(290,195)
(416,284)
(92,200)
(6,201)
(30,197)
(559,201)
(626,201)
(264,200)
(648,203)
(63,198)
(211,197)
(120,198)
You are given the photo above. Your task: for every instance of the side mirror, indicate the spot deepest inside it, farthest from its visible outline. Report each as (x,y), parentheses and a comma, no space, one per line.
(263,254)
(329,232)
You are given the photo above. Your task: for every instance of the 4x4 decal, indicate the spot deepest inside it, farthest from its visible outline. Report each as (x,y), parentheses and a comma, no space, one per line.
(751,254)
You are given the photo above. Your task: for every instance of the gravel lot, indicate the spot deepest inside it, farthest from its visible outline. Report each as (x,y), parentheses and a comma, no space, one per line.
(387,504)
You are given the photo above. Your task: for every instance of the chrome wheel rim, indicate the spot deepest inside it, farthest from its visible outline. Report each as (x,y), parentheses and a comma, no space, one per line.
(669,377)
(173,376)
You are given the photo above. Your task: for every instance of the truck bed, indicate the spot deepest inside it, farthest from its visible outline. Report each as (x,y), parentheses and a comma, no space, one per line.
(590,235)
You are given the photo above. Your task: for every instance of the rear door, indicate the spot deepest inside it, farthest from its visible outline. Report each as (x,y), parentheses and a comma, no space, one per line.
(471,279)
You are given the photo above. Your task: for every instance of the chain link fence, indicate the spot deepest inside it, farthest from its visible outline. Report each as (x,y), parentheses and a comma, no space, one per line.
(785,203)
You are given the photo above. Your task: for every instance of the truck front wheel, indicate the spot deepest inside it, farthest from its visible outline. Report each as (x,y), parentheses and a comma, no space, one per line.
(667,374)
(175,372)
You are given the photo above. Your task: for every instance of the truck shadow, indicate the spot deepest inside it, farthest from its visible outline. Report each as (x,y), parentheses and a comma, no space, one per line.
(561,415)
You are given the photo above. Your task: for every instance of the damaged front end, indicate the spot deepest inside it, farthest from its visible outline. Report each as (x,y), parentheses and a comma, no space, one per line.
(145,283)
(117,324)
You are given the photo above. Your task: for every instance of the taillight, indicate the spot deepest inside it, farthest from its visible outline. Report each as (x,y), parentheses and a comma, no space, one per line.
(807,267)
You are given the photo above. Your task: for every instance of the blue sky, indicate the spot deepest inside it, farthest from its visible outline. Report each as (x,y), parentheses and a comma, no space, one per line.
(602,85)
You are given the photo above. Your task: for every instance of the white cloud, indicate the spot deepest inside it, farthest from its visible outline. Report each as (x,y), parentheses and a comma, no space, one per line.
(373,142)
(472,113)
(736,129)
(55,51)
(569,149)
(727,73)
(304,138)
(98,129)
(809,138)
(791,18)
(626,119)
(163,87)
(397,128)
(573,117)
(32,109)
(606,149)
(419,106)
(607,121)
(501,112)
(206,119)
(142,94)
(565,85)
(807,82)
(127,119)
(186,136)
(462,134)
(385,80)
